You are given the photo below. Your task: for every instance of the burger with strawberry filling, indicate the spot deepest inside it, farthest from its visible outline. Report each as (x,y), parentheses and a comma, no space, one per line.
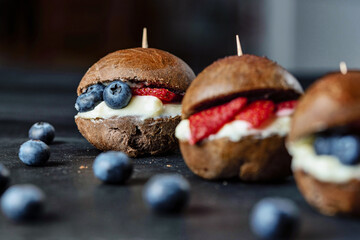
(235,116)
(130,101)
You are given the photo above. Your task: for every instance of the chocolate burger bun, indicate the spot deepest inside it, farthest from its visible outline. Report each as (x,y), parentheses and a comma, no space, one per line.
(332,101)
(236,76)
(147,67)
(330,198)
(250,159)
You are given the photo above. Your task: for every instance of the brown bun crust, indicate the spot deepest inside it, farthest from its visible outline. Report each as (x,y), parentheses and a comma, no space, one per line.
(130,135)
(150,66)
(232,75)
(249,159)
(333,100)
(330,198)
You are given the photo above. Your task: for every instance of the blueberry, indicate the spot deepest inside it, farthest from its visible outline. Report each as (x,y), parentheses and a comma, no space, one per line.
(322,145)
(4,177)
(117,95)
(98,89)
(23,202)
(90,98)
(346,149)
(167,193)
(274,218)
(113,167)
(34,153)
(42,131)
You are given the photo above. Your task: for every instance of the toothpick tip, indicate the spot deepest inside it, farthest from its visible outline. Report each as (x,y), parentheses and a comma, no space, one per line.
(343,67)
(144,39)
(238,46)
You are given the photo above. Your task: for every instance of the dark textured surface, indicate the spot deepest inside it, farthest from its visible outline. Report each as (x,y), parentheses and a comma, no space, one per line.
(80,207)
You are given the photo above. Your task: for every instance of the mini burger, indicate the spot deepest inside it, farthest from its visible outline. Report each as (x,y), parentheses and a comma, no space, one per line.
(130,101)
(235,116)
(324,141)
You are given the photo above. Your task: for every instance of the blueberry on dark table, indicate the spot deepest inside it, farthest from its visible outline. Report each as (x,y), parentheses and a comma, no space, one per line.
(347,149)
(34,153)
(42,131)
(4,177)
(113,167)
(117,95)
(167,193)
(274,218)
(23,202)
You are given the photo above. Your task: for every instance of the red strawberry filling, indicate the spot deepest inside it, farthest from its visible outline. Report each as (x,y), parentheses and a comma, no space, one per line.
(210,121)
(257,112)
(286,105)
(163,94)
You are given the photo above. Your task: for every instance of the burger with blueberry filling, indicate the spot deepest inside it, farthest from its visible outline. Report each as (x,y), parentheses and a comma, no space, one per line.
(130,101)
(324,141)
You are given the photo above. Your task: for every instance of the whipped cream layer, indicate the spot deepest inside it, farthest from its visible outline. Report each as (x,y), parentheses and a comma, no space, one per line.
(324,168)
(238,129)
(140,106)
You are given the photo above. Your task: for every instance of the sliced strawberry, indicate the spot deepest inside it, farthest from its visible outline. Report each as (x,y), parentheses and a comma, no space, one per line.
(209,121)
(161,93)
(257,112)
(286,105)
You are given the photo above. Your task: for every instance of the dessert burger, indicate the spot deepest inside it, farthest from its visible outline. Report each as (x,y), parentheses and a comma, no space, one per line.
(235,116)
(130,101)
(324,141)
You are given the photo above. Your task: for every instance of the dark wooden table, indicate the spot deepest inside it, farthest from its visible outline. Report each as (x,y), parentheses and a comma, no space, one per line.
(80,207)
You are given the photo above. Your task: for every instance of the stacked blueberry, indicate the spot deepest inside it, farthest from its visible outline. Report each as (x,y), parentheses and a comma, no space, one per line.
(339,143)
(36,152)
(116,95)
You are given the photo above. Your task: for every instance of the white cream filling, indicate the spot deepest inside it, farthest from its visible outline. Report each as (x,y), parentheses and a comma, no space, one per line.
(140,106)
(237,129)
(322,167)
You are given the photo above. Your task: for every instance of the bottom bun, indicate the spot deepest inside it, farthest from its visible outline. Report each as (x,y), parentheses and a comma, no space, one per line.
(330,198)
(249,159)
(131,135)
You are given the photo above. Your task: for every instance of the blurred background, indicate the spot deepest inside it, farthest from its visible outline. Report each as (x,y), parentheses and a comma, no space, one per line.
(47,45)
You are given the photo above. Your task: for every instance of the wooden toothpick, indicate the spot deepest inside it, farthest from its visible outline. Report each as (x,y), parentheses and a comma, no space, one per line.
(343,67)
(238,45)
(144,39)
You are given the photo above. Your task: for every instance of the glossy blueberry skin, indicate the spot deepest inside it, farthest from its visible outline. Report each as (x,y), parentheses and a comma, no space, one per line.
(34,153)
(42,131)
(346,149)
(323,145)
(90,98)
(4,177)
(275,218)
(167,193)
(98,89)
(23,202)
(113,167)
(117,95)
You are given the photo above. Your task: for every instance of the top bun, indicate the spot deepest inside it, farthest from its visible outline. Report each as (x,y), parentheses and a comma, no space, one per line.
(332,101)
(150,66)
(234,76)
